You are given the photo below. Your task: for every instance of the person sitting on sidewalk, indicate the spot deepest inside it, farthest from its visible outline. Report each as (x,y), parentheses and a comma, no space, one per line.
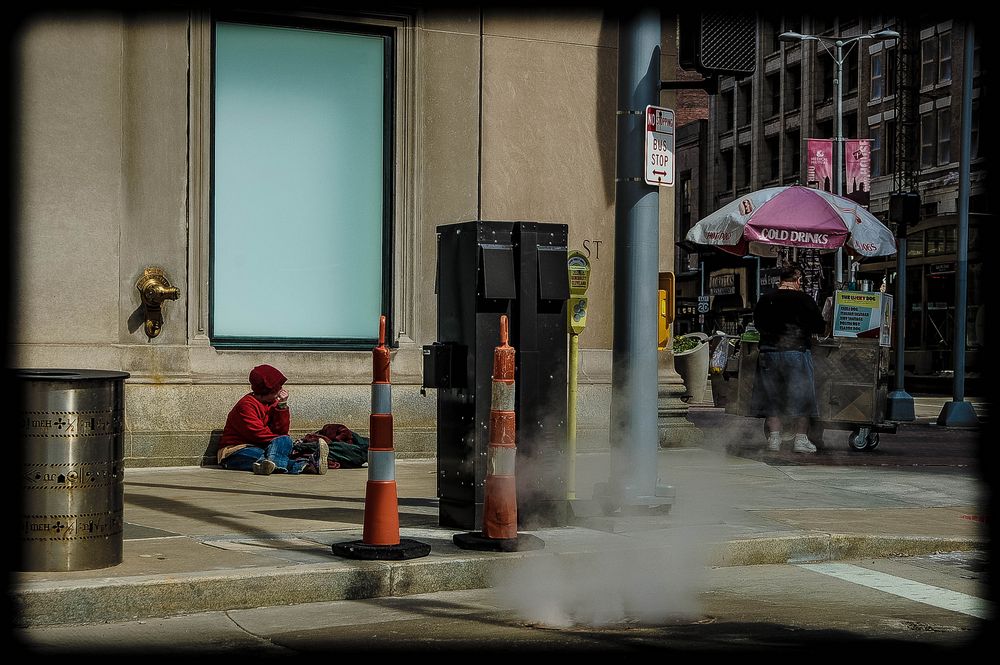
(783,387)
(256,433)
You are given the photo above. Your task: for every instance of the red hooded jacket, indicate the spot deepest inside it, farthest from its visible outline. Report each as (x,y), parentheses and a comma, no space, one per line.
(253,423)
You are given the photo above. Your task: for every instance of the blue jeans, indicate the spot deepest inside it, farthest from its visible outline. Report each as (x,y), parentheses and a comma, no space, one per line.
(783,385)
(277,451)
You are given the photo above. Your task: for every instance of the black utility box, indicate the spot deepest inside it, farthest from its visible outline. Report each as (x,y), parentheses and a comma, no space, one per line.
(486,269)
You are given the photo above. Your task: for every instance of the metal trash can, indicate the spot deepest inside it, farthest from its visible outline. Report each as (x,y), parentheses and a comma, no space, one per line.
(72,424)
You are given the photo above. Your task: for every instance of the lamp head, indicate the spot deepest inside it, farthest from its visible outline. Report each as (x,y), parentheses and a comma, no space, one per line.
(885,34)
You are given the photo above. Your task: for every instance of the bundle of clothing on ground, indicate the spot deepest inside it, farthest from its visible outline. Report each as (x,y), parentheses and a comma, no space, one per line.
(348,449)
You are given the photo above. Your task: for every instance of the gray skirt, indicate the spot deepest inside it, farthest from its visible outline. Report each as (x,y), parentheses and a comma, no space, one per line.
(783,385)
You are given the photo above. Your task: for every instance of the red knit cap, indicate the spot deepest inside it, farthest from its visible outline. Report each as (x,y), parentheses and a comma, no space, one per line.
(265,380)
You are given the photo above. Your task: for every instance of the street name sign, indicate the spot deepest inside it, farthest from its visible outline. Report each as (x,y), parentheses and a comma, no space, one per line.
(659,153)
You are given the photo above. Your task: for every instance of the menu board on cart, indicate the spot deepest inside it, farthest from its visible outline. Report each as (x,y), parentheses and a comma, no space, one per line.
(863,314)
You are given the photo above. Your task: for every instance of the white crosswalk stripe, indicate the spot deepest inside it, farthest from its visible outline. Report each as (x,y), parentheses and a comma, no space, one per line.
(904,588)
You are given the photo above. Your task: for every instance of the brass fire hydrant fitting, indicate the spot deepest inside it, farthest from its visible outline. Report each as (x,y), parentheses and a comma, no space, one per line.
(154,289)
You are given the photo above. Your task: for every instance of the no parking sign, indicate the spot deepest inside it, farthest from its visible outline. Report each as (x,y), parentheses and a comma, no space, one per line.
(659,153)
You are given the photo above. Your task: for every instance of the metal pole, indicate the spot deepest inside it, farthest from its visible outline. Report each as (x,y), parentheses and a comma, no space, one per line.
(634,381)
(574,354)
(899,403)
(756,273)
(960,413)
(701,292)
(838,149)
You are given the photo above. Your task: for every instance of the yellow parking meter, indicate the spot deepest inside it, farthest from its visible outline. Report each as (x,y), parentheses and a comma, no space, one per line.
(579,278)
(665,315)
(576,313)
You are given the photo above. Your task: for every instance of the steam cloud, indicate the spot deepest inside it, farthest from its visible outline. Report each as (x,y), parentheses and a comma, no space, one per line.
(651,573)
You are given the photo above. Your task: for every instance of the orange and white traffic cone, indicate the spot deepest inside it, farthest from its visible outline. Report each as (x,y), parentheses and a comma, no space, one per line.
(380,537)
(500,489)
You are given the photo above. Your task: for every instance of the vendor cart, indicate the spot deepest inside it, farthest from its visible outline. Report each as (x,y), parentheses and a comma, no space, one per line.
(851,364)
(850,372)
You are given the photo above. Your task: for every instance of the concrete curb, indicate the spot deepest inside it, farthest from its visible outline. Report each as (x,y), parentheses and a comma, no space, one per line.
(109,600)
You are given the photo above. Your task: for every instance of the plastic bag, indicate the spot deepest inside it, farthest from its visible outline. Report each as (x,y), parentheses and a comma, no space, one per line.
(720,357)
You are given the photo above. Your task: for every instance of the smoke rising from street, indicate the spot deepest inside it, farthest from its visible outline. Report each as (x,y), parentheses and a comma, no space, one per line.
(645,569)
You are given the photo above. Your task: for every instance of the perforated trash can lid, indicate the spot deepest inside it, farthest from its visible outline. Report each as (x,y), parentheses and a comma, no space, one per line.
(57,374)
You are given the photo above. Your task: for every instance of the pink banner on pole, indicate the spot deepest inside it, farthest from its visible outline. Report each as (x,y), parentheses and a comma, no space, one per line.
(819,164)
(858,163)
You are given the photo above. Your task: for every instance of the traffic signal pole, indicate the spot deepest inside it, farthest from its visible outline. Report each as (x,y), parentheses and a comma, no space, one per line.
(633,428)
(958,412)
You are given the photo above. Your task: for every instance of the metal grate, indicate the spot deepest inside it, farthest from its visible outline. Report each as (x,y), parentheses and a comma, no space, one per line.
(729,42)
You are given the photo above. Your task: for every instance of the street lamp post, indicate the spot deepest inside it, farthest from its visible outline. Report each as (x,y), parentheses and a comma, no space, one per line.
(841,48)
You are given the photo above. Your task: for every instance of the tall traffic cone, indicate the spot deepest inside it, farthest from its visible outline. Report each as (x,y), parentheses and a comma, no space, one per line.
(500,490)
(380,537)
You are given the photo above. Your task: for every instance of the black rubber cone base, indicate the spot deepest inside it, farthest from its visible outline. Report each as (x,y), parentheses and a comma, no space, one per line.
(358,549)
(476,540)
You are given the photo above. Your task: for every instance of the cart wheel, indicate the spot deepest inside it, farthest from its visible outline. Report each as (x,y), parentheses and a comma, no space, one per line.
(873,441)
(859,438)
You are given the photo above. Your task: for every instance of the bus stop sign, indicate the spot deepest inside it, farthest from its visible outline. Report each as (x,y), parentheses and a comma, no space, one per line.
(659,153)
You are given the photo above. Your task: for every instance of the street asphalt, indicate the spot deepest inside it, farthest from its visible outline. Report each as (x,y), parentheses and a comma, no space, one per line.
(200,539)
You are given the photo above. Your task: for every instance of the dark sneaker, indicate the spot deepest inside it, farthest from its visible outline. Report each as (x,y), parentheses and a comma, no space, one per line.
(264,467)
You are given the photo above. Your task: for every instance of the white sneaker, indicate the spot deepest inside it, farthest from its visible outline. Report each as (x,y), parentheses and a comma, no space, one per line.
(774,441)
(802,444)
(264,467)
(322,456)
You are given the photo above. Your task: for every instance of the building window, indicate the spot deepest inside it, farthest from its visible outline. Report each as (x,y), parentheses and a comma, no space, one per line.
(773,157)
(823,25)
(726,107)
(846,23)
(685,202)
(974,131)
(793,88)
(851,72)
(876,149)
(745,105)
(942,240)
(935,138)
(935,59)
(883,74)
(726,176)
(878,75)
(928,140)
(792,155)
(850,125)
(944,57)
(944,136)
(773,85)
(770,29)
(746,162)
(824,83)
(928,61)
(301,185)
(824,129)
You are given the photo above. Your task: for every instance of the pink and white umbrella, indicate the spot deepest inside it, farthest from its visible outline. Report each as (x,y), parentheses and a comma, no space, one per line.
(794,216)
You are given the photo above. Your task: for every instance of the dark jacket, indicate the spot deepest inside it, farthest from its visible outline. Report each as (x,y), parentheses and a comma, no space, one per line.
(786,319)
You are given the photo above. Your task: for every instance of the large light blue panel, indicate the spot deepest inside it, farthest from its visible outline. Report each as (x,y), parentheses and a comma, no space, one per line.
(298,183)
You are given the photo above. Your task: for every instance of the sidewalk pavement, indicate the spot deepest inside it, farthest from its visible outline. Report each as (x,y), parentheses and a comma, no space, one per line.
(207,539)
